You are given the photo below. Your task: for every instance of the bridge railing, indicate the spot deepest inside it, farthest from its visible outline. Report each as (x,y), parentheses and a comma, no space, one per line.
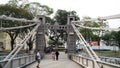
(90,63)
(18,61)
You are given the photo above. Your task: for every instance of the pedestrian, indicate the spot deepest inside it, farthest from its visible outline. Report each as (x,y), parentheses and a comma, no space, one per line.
(57,54)
(38,58)
(65,51)
(53,55)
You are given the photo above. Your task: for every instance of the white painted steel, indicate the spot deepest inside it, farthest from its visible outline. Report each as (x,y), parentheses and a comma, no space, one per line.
(18,48)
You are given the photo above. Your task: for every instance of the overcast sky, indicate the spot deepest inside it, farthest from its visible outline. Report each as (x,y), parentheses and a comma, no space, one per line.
(92,8)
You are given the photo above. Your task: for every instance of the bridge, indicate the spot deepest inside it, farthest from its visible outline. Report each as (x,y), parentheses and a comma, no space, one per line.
(69,60)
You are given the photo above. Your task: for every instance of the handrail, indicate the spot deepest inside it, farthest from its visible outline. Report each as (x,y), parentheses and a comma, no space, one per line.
(24,60)
(18,48)
(84,61)
(18,19)
(18,27)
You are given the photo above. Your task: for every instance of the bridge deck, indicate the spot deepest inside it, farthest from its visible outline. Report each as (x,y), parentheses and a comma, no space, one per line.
(63,62)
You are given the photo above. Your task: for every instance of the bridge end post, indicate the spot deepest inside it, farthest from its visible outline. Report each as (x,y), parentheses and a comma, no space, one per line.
(71,40)
(40,37)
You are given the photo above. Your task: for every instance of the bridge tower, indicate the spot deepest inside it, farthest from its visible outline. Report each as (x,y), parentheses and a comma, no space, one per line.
(71,40)
(40,36)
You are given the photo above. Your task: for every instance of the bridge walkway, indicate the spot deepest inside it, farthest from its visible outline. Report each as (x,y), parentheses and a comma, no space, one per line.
(63,62)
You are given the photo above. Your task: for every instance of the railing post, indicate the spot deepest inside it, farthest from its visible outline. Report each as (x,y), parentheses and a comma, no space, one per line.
(86,62)
(82,60)
(19,61)
(11,64)
(79,59)
(93,62)
(29,58)
(25,59)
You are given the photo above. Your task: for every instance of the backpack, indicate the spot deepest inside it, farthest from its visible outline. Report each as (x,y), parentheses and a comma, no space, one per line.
(36,57)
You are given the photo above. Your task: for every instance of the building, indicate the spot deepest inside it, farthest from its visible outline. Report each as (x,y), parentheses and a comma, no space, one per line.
(4,40)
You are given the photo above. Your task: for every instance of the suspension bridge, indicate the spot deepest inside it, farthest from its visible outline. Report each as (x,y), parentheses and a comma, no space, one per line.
(69,60)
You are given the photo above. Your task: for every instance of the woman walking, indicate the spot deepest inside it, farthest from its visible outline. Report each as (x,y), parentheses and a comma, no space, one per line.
(53,55)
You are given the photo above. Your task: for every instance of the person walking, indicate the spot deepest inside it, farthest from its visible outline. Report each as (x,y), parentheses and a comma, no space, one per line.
(53,55)
(57,54)
(38,58)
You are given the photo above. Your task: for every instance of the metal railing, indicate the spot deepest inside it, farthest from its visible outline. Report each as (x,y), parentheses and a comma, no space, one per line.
(89,63)
(18,61)
(112,60)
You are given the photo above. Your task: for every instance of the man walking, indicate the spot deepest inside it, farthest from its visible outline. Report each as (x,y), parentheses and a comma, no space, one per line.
(38,58)
(57,54)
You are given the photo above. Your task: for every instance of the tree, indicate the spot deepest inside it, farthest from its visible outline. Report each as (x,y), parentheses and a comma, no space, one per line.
(88,34)
(49,20)
(36,9)
(17,13)
(74,13)
(118,38)
(61,16)
(112,36)
(14,3)
(107,37)
(33,7)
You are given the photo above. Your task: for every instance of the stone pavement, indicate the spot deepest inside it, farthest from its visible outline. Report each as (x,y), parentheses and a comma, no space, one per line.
(63,62)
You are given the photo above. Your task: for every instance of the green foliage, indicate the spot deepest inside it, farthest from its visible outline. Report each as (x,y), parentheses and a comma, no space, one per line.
(36,8)
(61,16)
(51,42)
(13,3)
(90,35)
(108,53)
(16,12)
(113,35)
(60,49)
(74,13)
(33,7)
(49,20)
(118,38)
(107,37)
(59,43)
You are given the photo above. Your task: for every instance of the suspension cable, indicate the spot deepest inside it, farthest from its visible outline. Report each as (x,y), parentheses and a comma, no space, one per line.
(18,19)
(85,43)
(87,46)
(18,48)
(95,28)
(18,27)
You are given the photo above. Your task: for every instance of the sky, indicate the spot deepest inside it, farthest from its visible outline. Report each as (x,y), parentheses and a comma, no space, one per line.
(92,8)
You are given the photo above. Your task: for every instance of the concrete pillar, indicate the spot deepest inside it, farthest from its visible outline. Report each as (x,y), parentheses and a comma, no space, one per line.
(71,40)
(70,19)
(40,36)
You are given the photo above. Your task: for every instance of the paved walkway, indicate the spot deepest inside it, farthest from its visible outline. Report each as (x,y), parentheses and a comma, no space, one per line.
(63,62)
